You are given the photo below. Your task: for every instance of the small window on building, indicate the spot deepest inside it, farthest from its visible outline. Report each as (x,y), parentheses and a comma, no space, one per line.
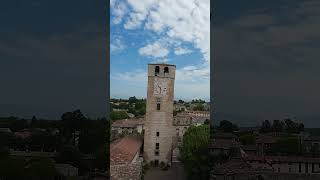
(158,134)
(156,71)
(158,106)
(156,152)
(289,169)
(312,168)
(299,167)
(166,70)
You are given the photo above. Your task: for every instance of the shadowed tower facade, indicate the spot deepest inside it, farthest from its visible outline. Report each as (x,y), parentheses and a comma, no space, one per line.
(159,130)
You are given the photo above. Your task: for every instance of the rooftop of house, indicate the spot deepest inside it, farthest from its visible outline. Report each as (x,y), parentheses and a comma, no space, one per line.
(282,159)
(127,123)
(233,166)
(266,139)
(5,130)
(223,144)
(313,138)
(123,150)
(64,166)
(249,147)
(223,135)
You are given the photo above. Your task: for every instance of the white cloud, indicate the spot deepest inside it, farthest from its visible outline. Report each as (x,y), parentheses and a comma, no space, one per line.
(116,45)
(162,60)
(188,21)
(132,84)
(134,76)
(118,11)
(156,50)
(176,22)
(140,11)
(193,74)
(181,51)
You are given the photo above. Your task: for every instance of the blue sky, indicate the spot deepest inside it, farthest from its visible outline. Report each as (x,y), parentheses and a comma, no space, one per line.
(149,31)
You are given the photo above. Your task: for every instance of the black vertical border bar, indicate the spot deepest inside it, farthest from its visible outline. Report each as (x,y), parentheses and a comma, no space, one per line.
(212,107)
(106,41)
(107,46)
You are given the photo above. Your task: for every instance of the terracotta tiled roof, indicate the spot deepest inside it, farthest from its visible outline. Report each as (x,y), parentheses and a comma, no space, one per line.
(234,167)
(123,150)
(127,123)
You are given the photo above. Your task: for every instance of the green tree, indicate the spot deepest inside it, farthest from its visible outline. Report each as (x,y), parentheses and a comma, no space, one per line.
(181,101)
(117,115)
(12,168)
(123,106)
(301,127)
(286,146)
(227,126)
(194,152)
(248,139)
(132,100)
(70,155)
(199,107)
(91,140)
(40,169)
(72,121)
(266,126)
(277,126)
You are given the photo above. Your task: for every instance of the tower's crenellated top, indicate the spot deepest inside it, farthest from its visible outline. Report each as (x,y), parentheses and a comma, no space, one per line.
(162,70)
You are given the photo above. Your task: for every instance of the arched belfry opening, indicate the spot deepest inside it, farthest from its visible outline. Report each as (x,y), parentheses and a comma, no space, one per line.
(157,70)
(166,70)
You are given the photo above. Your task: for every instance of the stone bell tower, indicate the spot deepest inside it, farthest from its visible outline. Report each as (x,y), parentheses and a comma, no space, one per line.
(159,130)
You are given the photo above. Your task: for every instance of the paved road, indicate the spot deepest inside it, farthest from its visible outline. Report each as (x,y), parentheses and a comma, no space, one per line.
(175,172)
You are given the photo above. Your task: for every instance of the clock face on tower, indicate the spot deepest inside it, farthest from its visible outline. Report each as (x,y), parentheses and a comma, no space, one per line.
(160,87)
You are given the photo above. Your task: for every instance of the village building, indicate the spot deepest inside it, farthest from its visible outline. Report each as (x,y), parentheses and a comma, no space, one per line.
(126,158)
(312,143)
(127,125)
(223,143)
(5,130)
(235,169)
(66,170)
(160,132)
(179,107)
(287,164)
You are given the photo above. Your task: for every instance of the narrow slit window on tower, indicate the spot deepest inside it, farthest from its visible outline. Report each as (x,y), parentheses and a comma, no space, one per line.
(157,70)
(158,106)
(166,70)
(156,152)
(158,134)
